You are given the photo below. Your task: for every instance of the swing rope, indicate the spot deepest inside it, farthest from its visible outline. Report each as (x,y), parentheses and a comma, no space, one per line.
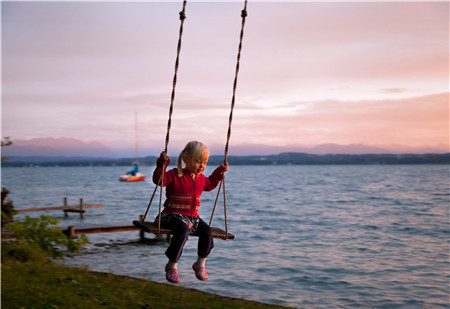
(230,120)
(169,122)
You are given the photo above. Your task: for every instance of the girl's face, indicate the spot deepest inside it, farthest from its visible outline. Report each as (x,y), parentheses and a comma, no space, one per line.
(195,167)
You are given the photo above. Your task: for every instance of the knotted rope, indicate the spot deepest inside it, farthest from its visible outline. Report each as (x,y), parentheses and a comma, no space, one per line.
(169,122)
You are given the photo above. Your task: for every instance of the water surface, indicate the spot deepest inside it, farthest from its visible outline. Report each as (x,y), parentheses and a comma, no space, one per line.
(306,236)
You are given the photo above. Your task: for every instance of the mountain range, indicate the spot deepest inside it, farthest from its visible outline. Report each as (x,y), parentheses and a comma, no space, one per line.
(57,147)
(70,147)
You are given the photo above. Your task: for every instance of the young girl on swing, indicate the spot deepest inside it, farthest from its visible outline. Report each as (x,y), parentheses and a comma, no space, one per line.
(184,185)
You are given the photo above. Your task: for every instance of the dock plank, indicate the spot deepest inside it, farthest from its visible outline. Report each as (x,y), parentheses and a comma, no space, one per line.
(100,228)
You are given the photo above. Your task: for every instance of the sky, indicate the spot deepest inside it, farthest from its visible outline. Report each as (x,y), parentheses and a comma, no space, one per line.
(373,73)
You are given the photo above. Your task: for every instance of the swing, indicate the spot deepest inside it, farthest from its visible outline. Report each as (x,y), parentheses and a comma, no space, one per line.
(152,227)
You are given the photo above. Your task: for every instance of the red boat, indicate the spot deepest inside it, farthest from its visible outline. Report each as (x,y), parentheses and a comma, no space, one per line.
(133,175)
(129,178)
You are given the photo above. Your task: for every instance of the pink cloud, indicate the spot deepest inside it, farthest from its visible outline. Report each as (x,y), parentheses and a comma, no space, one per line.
(412,121)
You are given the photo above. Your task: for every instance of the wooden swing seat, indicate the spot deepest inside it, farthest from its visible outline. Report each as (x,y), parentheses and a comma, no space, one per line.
(151,227)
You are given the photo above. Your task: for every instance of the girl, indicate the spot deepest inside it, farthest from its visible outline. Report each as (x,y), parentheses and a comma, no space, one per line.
(184,185)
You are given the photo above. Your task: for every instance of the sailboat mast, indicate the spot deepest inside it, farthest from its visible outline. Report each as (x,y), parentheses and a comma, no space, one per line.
(136,135)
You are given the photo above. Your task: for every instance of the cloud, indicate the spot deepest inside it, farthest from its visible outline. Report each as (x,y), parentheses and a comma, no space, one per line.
(393,90)
(411,121)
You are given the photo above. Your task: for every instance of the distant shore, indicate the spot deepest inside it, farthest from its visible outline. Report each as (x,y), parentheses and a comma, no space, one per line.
(289,158)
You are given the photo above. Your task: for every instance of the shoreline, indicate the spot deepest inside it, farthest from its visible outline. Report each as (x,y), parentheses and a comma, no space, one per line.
(191,290)
(279,159)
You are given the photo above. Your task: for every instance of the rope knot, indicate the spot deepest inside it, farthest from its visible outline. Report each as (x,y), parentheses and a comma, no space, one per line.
(182,15)
(244,13)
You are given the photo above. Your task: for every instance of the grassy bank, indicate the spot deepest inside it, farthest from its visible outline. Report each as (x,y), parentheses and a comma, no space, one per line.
(49,285)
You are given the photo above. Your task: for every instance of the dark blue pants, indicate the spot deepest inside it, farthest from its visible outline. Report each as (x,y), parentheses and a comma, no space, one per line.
(180,236)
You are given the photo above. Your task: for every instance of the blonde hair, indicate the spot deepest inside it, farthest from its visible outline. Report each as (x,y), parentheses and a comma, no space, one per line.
(195,151)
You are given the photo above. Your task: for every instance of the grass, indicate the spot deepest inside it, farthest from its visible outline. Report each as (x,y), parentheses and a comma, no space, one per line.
(48,285)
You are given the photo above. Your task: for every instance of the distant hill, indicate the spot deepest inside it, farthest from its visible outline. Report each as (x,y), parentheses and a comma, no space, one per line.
(341,159)
(332,148)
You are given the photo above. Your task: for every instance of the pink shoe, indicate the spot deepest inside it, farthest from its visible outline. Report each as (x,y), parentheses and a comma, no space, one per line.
(200,272)
(172,274)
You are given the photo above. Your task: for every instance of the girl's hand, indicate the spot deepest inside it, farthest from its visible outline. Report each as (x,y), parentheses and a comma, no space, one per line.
(224,167)
(163,156)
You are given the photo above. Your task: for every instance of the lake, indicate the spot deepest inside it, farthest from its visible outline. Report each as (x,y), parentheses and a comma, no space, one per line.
(353,236)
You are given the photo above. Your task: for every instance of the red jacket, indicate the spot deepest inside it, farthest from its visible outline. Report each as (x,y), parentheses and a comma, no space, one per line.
(183,193)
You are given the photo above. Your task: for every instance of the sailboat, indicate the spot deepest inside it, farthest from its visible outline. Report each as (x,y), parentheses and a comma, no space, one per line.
(134,174)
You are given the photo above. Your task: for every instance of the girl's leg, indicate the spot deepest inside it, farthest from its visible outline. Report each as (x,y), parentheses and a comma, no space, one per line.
(175,249)
(205,245)
(205,239)
(179,238)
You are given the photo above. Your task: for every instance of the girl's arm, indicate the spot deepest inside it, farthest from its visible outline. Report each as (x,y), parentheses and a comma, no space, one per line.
(213,180)
(159,169)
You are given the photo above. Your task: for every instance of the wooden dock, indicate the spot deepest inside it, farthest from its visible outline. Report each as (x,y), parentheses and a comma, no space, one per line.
(72,231)
(138,225)
(66,208)
(92,228)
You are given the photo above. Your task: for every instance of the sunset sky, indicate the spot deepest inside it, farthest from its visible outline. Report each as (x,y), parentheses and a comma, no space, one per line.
(374,73)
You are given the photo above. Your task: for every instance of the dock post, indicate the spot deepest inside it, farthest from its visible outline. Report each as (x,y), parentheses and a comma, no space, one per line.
(141,232)
(71,232)
(81,209)
(65,206)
